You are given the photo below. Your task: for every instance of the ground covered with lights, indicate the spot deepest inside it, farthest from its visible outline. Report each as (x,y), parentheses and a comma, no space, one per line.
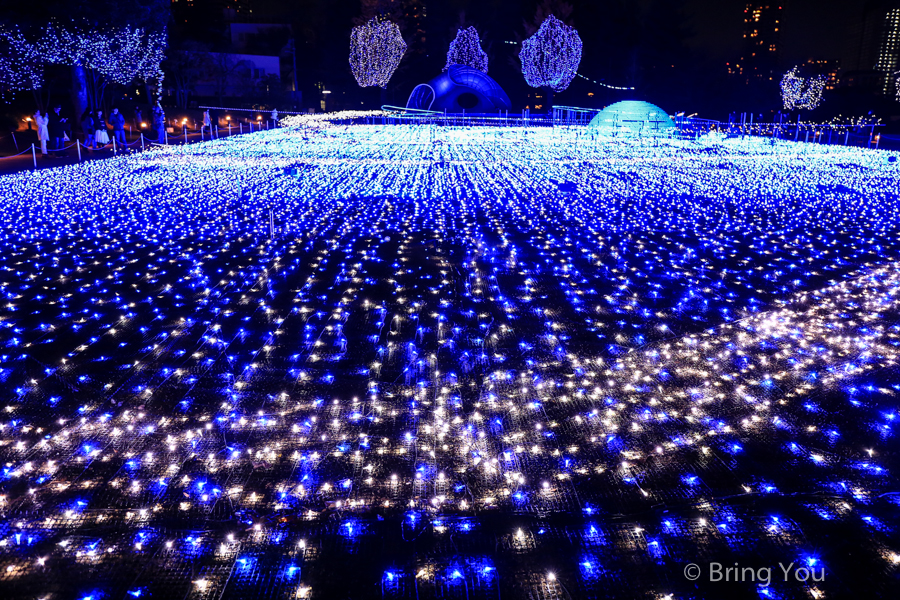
(419,362)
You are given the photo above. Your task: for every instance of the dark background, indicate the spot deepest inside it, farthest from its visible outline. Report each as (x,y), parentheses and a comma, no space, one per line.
(673,52)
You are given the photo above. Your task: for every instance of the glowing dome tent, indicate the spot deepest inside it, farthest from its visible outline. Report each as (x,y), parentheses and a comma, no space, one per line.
(633,116)
(460,89)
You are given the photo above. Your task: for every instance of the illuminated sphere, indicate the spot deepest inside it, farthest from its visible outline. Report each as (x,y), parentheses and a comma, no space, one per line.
(633,116)
(460,89)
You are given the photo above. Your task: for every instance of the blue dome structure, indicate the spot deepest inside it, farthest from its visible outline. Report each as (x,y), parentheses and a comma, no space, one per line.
(633,116)
(460,89)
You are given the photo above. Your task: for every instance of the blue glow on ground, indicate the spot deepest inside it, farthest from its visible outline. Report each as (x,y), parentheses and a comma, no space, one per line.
(505,348)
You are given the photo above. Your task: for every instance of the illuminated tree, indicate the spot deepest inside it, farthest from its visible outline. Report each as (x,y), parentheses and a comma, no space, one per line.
(801,93)
(408,15)
(21,67)
(376,49)
(466,50)
(112,55)
(551,56)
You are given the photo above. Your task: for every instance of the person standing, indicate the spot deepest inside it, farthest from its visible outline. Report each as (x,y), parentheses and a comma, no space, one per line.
(87,126)
(138,118)
(274,117)
(159,123)
(117,120)
(56,128)
(42,132)
(207,123)
(101,137)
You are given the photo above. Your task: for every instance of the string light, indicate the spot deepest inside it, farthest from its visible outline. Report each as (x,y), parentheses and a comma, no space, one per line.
(801,93)
(550,57)
(860,122)
(20,64)
(118,55)
(448,331)
(465,49)
(376,49)
(328,119)
(606,85)
(121,54)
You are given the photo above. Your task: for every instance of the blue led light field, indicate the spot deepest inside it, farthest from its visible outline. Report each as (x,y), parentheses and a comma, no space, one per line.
(428,362)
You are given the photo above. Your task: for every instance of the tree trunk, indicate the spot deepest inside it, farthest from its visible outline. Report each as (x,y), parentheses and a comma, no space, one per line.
(39,99)
(548,106)
(80,95)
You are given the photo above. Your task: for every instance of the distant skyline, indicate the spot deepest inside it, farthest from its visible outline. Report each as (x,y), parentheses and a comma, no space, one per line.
(819,29)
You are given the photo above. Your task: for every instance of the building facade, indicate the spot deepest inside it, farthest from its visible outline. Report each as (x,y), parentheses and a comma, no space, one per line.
(888,61)
(761,43)
(873,59)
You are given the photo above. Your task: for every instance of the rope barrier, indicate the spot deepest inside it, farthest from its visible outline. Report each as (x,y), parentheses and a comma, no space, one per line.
(78,144)
(254,110)
(135,142)
(15,155)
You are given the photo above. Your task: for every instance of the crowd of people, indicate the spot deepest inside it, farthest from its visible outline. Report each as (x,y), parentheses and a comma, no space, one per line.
(54,130)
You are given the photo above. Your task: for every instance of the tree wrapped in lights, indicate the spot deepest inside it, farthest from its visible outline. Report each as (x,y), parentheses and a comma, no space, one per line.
(466,50)
(801,93)
(115,55)
(21,67)
(550,57)
(376,49)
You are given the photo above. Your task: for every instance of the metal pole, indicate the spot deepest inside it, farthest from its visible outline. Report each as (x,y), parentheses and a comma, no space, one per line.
(166,134)
(33,156)
(185,134)
(241,125)
(114,145)
(78,149)
(142,141)
(271,224)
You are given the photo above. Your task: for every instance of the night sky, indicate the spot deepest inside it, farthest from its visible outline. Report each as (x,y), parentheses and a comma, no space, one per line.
(817,29)
(672,52)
